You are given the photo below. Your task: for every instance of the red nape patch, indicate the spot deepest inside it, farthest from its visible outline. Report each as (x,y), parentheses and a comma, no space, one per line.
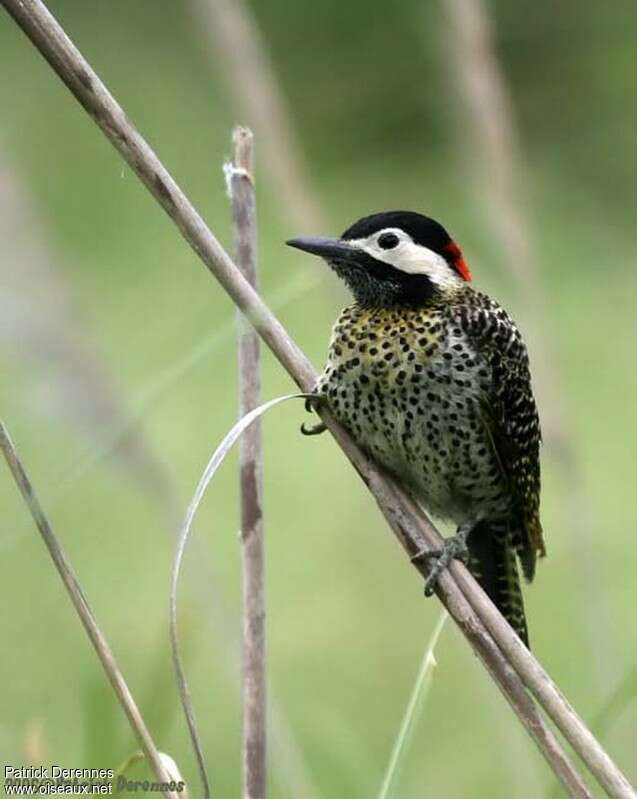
(457,260)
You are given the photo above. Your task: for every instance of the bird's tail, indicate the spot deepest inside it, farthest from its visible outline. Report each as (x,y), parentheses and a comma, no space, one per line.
(494,565)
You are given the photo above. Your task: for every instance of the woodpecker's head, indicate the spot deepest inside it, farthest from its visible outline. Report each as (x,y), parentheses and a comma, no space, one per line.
(393,258)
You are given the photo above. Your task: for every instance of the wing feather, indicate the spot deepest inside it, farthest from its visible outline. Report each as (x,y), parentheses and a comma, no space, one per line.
(510,416)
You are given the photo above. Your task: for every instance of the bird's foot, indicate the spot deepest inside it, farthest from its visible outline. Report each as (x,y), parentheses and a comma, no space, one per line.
(311,403)
(454,547)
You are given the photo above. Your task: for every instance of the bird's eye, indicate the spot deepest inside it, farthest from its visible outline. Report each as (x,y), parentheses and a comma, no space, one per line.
(388,241)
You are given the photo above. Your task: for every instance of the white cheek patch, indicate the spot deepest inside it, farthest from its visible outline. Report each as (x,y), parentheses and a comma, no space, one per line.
(411,258)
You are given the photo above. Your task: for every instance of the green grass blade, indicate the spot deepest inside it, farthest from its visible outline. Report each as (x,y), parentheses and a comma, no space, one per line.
(414,709)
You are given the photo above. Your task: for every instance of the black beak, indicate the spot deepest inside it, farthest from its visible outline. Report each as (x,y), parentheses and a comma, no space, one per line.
(331,249)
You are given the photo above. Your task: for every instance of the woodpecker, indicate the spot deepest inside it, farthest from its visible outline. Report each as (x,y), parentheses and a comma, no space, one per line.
(432,379)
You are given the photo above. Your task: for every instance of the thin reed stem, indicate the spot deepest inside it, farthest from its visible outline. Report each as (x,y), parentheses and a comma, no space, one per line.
(100,644)
(240,178)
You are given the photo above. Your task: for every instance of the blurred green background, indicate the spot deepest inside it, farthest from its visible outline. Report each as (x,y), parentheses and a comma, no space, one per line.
(118,361)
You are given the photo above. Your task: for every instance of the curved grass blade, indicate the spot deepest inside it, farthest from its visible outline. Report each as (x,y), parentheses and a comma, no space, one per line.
(213,464)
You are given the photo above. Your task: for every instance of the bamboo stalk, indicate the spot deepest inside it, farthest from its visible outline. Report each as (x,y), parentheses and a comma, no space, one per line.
(71,583)
(240,176)
(410,525)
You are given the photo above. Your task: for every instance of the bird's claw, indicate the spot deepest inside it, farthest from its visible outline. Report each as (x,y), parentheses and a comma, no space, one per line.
(313,430)
(453,548)
(311,404)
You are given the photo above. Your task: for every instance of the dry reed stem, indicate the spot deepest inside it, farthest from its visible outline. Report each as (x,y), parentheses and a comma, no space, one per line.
(492,135)
(100,644)
(469,606)
(251,80)
(240,175)
(36,308)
